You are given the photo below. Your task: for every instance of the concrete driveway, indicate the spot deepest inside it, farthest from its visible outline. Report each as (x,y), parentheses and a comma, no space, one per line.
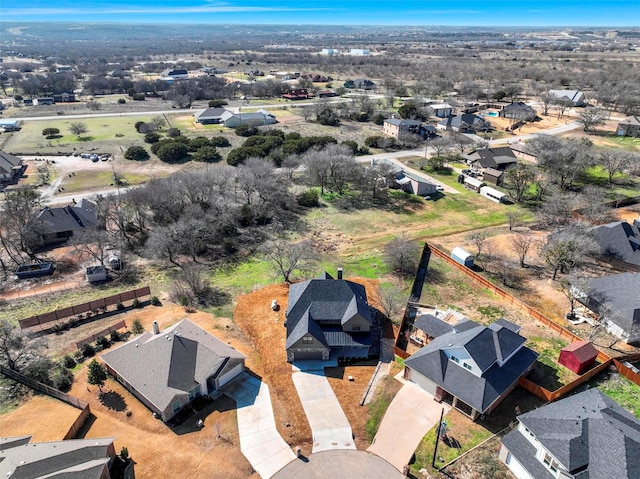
(329,425)
(260,441)
(411,414)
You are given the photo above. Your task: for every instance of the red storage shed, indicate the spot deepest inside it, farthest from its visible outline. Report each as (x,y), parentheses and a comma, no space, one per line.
(578,356)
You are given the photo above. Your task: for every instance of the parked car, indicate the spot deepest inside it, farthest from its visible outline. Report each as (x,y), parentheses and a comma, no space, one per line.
(439,188)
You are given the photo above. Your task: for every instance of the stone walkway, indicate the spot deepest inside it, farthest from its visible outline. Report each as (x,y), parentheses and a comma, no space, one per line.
(260,441)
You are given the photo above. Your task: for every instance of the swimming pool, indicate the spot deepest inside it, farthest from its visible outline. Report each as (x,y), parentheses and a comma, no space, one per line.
(492,113)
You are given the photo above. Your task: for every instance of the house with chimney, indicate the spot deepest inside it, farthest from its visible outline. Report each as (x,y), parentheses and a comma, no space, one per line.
(329,317)
(167,370)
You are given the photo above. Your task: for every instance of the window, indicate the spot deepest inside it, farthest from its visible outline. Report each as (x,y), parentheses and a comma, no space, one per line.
(355,327)
(307,340)
(468,366)
(550,462)
(454,359)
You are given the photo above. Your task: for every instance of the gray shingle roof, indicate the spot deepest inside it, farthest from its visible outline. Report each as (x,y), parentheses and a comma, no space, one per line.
(211,113)
(431,325)
(8,163)
(401,122)
(588,432)
(622,292)
(525,453)
(620,240)
(486,346)
(173,362)
(323,299)
(67,218)
(86,459)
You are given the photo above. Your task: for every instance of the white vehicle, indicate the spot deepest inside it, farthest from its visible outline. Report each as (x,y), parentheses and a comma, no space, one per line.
(439,188)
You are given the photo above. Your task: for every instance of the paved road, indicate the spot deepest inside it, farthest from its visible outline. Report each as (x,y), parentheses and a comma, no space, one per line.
(260,441)
(345,464)
(329,425)
(411,414)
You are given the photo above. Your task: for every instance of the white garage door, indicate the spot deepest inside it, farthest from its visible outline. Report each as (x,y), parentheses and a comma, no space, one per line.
(423,382)
(225,378)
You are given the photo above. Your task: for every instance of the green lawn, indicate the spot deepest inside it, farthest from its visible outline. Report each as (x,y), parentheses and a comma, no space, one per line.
(621,390)
(105,134)
(88,179)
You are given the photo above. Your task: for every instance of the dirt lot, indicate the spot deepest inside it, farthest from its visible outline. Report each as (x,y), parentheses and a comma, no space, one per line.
(193,452)
(544,123)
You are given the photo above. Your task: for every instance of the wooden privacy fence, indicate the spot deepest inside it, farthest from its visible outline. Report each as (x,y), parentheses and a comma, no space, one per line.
(627,372)
(71,311)
(521,305)
(104,332)
(78,423)
(43,388)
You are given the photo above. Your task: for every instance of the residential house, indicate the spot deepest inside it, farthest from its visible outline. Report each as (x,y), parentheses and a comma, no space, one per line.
(574,97)
(618,294)
(210,116)
(519,111)
(326,94)
(414,184)
(587,435)
(497,158)
(441,110)
(629,127)
(296,94)
(327,316)
(329,51)
(360,84)
(359,52)
(465,123)
(119,73)
(11,167)
(522,151)
(427,327)
(57,225)
(47,100)
(175,73)
(85,458)
(258,118)
(396,127)
(619,240)
(167,370)
(64,69)
(64,97)
(473,366)
(9,125)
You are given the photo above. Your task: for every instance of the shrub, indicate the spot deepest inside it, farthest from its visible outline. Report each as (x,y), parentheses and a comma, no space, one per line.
(217,103)
(328,117)
(119,306)
(151,137)
(379,119)
(351,144)
(198,142)
(121,101)
(136,303)
(246,130)
(173,132)
(137,327)
(102,342)
(88,351)
(138,125)
(62,379)
(138,97)
(114,336)
(136,153)
(372,141)
(172,152)
(309,198)
(219,142)
(68,362)
(155,301)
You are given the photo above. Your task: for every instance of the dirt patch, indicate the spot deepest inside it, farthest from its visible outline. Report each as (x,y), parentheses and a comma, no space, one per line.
(349,394)
(44,418)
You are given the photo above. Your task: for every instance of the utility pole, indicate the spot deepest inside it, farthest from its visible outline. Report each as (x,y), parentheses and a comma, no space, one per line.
(435,450)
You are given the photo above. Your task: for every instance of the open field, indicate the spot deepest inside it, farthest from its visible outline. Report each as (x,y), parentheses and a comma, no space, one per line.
(109,135)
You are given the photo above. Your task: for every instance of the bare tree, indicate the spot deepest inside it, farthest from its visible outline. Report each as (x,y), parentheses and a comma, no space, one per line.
(478,238)
(392,300)
(614,161)
(518,179)
(521,243)
(288,256)
(567,249)
(402,255)
(17,349)
(93,243)
(514,217)
(590,118)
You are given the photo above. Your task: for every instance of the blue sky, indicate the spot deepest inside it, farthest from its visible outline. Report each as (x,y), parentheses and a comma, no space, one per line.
(339,12)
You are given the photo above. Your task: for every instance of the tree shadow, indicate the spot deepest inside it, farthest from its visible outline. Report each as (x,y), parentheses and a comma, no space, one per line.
(86,138)
(112,400)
